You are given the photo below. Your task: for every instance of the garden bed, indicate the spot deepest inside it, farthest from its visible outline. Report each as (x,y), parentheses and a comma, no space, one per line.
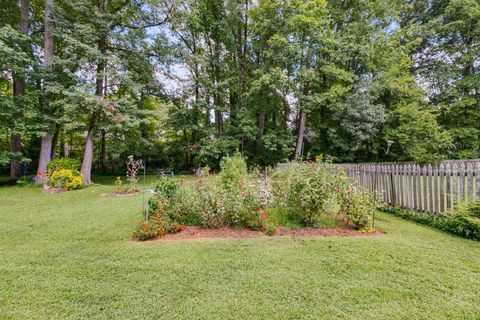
(120,194)
(195,232)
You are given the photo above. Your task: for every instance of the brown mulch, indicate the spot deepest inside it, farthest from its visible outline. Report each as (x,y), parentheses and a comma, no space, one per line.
(120,194)
(54,190)
(193,232)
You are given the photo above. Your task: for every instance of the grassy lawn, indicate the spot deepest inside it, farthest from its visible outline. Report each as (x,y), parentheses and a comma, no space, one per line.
(69,256)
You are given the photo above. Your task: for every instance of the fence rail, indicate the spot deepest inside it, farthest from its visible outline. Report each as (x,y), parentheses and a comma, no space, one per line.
(417,187)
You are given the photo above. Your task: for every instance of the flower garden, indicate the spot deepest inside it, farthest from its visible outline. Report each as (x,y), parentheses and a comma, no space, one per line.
(318,196)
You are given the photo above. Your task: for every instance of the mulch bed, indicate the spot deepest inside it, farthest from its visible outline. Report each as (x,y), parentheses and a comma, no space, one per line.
(120,194)
(193,232)
(54,190)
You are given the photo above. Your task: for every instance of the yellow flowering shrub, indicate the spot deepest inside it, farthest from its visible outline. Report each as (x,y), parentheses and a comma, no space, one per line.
(64,178)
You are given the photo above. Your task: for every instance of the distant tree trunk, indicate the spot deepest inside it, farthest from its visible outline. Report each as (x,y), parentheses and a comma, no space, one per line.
(103,154)
(54,143)
(47,139)
(301,132)
(86,169)
(218,116)
(261,131)
(18,91)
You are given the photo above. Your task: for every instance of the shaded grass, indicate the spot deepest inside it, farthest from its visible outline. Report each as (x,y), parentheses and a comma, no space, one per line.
(69,256)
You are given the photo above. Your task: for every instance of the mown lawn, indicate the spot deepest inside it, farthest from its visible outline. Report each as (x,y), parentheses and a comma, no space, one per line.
(69,256)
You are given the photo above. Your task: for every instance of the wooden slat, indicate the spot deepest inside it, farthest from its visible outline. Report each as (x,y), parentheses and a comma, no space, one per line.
(441,173)
(454,194)
(436,201)
(430,188)
(414,187)
(477,181)
(470,197)
(425,188)
(461,174)
(401,175)
(448,187)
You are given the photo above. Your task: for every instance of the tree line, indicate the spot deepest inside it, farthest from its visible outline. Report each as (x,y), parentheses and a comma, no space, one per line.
(183,83)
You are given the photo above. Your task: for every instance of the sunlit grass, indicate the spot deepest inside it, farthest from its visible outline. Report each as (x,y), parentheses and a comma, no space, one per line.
(69,256)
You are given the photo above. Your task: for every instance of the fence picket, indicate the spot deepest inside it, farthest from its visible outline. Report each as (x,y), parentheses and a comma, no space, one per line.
(430,187)
(448,189)
(470,195)
(477,180)
(425,188)
(441,173)
(454,185)
(461,173)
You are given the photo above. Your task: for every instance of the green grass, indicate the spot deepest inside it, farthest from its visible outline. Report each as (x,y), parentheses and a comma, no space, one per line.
(69,256)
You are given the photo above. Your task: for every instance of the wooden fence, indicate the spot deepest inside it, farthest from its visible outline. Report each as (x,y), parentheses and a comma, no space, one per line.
(426,188)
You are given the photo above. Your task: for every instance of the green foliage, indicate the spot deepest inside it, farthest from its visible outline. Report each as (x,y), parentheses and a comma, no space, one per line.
(157,226)
(65,178)
(233,169)
(320,190)
(417,134)
(465,222)
(63,163)
(166,186)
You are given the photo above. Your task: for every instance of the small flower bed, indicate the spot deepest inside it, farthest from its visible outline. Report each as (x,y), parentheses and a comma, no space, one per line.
(315,196)
(158,225)
(63,174)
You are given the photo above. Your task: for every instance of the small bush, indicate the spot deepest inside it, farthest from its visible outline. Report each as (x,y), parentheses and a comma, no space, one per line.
(65,178)
(166,186)
(157,226)
(63,163)
(233,169)
(317,191)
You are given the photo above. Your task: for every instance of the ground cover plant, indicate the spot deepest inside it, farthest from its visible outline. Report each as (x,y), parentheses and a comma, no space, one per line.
(317,195)
(69,256)
(465,220)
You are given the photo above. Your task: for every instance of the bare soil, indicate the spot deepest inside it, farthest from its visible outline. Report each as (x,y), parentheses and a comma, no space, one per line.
(120,194)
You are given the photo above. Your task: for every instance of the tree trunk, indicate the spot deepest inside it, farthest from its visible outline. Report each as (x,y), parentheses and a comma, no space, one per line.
(46,144)
(261,130)
(88,158)
(99,91)
(18,91)
(45,153)
(103,151)
(301,132)
(54,143)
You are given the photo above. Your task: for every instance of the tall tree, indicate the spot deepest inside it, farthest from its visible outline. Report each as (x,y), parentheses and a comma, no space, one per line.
(18,93)
(47,138)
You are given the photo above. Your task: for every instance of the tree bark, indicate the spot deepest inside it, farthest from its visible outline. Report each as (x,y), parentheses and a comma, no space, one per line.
(103,151)
(86,169)
(46,144)
(261,130)
(18,91)
(54,143)
(301,132)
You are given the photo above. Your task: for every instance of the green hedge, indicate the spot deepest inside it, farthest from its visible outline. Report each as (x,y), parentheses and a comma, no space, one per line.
(465,222)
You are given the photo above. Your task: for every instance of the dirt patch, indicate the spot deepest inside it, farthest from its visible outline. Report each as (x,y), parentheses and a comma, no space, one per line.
(120,194)
(54,190)
(193,232)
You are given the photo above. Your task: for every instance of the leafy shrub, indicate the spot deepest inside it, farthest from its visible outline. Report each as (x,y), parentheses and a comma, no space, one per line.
(315,191)
(158,225)
(231,200)
(65,178)
(119,186)
(464,221)
(233,169)
(63,163)
(166,186)
(358,207)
